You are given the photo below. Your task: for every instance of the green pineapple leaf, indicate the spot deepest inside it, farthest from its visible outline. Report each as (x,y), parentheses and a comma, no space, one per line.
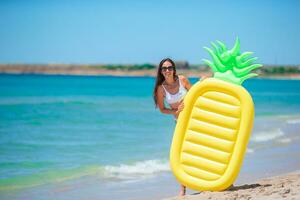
(216,60)
(231,65)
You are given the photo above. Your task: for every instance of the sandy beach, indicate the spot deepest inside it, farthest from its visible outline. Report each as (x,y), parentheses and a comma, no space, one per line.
(279,187)
(88,71)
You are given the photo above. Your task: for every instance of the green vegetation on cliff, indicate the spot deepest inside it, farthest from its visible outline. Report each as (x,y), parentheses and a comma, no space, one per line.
(127,67)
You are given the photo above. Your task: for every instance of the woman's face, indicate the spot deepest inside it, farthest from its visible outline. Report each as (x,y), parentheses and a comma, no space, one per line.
(167,69)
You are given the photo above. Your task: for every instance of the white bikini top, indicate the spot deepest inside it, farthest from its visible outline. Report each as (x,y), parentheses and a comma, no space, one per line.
(174,98)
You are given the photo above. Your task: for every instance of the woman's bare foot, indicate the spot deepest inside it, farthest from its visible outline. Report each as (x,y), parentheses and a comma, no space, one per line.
(182,190)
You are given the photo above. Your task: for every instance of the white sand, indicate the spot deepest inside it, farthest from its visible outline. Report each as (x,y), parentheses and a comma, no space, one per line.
(279,187)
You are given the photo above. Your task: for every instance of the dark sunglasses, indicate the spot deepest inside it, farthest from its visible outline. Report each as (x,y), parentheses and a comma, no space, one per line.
(169,68)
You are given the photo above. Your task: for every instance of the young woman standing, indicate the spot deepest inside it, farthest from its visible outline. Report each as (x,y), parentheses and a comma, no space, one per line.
(171,88)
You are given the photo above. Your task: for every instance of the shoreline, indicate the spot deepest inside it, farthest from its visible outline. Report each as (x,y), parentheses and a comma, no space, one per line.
(133,73)
(146,70)
(285,186)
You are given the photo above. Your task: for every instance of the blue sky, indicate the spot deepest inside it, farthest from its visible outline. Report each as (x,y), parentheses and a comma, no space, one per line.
(126,32)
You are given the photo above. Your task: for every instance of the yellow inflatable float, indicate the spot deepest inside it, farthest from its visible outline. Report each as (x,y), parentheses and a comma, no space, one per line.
(213,130)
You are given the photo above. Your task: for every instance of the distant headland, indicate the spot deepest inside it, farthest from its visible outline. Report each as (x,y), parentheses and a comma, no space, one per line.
(183,67)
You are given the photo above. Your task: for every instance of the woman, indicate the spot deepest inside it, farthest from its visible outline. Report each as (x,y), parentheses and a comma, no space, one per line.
(172,88)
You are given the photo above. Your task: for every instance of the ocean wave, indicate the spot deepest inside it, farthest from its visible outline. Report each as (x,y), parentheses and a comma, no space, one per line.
(138,169)
(25,165)
(78,99)
(290,119)
(275,93)
(265,136)
(284,140)
(249,150)
(41,100)
(293,121)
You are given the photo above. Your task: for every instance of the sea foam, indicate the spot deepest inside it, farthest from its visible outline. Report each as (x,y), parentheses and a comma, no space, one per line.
(265,136)
(293,121)
(136,170)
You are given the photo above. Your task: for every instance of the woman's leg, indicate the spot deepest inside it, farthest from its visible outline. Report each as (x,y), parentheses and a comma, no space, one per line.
(182,190)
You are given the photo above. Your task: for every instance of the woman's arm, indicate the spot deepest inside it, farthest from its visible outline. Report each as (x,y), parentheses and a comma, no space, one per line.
(186,83)
(160,102)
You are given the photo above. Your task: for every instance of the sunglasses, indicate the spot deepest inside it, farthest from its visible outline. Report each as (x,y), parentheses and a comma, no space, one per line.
(169,68)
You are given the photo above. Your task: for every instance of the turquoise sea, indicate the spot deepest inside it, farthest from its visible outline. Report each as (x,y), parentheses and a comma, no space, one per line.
(100,137)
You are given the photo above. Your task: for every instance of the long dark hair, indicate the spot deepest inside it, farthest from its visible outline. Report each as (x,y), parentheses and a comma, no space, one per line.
(160,77)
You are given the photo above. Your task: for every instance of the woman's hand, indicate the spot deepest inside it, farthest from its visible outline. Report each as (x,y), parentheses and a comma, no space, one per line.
(180,107)
(203,77)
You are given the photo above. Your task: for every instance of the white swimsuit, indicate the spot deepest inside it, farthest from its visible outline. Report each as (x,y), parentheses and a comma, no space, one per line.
(174,98)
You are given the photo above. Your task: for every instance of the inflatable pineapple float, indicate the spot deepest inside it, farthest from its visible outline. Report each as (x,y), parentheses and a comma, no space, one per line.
(213,130)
